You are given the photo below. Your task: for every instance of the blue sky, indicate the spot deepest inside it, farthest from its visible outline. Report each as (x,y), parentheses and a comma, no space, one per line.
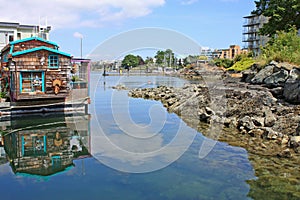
(210,23)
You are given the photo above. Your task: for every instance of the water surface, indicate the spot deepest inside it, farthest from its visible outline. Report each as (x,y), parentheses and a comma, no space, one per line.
(121,136)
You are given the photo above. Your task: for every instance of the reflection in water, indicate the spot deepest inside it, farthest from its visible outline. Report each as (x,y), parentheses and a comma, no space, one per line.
(45,145)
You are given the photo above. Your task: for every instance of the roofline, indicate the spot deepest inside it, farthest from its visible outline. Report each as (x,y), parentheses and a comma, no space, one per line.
(38,49)
(33,38)
(17,25)
(251,16)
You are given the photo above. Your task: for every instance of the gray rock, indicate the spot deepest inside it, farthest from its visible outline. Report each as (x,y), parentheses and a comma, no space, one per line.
(277,92)
(248,75)
(270,134)
(277,79)
(286,66)
(294,76)
(269,119)
(263,74)
(258,121)
(291,92)
(246,122)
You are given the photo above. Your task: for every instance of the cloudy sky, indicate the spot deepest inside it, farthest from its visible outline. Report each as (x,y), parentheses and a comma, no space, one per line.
(211,23)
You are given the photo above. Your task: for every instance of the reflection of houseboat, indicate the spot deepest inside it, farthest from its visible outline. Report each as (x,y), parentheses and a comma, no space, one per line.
(34,71)
(2,151)
(50,148)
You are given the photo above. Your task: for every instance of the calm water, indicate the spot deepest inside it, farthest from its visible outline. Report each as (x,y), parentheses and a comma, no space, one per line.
(126,149)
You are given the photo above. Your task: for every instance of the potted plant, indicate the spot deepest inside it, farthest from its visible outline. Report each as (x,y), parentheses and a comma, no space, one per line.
(3,96)
(74,80)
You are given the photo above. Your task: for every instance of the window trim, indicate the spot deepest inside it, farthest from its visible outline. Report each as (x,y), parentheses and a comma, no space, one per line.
(51,61)
(21,80)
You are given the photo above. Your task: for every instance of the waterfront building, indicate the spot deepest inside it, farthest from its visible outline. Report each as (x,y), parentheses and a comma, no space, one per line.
(34,68)
(35,72)
(251,37)
(10,32)
(229,53)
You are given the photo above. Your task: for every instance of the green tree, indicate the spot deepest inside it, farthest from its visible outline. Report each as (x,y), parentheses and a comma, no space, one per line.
(160,57)
(149,60)
(169,57)
(130,61)
(190,59)
(165,57)
(282,14)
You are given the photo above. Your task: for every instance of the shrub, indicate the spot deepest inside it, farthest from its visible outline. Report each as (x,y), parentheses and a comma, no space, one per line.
(243,64)
(284,47)
(223,62)
(3,94)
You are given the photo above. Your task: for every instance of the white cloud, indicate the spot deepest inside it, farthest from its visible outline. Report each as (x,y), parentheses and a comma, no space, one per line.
(189,2)
(78,35)
(70,13)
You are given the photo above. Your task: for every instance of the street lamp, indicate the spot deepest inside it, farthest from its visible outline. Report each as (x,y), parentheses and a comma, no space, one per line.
(79,35)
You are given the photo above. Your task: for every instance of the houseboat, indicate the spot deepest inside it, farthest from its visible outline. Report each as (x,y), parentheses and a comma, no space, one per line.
(37,76)
(45,145)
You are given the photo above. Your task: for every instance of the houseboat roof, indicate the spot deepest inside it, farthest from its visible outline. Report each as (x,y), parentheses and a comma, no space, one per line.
(34,38)
(40,48)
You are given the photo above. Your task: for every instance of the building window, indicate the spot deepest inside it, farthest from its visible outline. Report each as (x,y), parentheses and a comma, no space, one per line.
(11,38)
(19,36)
(32,82)
(53,61)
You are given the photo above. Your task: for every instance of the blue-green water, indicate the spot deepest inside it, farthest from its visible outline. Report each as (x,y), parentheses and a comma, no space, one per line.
(128,150)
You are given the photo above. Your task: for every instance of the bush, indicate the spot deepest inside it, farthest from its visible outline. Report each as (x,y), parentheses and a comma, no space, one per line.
(284,47)
(241,65)
(223,62)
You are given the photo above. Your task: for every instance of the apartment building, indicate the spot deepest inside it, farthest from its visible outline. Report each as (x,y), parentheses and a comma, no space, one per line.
(251,37)
(14,31)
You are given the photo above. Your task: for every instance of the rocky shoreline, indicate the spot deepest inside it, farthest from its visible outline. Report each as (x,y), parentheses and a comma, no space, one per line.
(259,111)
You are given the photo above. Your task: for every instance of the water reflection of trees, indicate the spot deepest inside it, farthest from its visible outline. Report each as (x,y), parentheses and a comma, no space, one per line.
(45,145)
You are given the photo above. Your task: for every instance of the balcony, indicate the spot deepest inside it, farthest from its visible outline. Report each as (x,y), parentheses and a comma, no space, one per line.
(251,38)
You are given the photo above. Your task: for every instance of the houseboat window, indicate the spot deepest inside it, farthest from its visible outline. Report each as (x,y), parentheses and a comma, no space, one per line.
(32,82)
(53,61)
(33,145)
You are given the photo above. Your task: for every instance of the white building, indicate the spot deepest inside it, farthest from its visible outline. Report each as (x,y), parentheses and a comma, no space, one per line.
(15,31)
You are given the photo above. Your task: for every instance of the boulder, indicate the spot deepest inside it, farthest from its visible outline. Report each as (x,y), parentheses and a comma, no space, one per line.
(277,92)
(291,90)
(263,74)
(248,75)
(276,79)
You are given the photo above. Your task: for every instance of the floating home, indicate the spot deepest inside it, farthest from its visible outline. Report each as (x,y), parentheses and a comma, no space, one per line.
(48,148)
(35,72)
